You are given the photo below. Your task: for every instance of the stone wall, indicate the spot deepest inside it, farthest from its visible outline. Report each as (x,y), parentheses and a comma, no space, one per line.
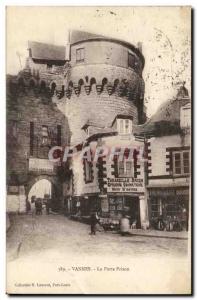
(101,109)
(27,104)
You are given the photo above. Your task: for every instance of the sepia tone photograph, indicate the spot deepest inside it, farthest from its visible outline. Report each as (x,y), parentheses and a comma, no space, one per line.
(98,150)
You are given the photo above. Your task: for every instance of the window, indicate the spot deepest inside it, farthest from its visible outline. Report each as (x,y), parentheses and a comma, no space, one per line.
(45,135)
(181,163)
(185,117)
(88,171)
(124,126)
(177,163)
(155,207)
(125,168)
(80,54)
(186,162)
(49,66)
(131,60)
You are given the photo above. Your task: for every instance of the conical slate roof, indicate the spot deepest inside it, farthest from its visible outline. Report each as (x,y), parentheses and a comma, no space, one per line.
(78,36)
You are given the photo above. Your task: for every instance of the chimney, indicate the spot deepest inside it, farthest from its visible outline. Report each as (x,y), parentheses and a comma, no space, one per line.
(67,48)
(182,92)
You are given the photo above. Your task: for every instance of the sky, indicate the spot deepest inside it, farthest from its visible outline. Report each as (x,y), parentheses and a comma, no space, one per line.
(165,33)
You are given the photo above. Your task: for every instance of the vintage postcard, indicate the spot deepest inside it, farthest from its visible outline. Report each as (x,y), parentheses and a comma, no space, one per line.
(98,150)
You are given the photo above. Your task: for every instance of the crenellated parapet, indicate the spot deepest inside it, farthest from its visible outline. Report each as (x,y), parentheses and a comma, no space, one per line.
(130,89)
(45,84)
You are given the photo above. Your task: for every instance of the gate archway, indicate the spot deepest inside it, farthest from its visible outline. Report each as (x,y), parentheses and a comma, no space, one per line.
(56,189)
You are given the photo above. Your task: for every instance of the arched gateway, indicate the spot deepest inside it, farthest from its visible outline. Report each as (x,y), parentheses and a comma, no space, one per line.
(56,189)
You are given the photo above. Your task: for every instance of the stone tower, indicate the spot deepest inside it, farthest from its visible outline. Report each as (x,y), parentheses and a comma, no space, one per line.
(103,78)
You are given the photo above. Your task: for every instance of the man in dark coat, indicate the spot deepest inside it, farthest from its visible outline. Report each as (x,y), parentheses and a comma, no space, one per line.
(93,221)
(38,206)
(48,206)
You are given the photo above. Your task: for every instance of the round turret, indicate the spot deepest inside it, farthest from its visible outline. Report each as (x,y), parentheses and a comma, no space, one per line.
(104,79)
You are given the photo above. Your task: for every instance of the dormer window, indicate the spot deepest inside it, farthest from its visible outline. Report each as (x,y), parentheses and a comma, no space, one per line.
(185,116)
(124,126)
(125,168)
(49,67)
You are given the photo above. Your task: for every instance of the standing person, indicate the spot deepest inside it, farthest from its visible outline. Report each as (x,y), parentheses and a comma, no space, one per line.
(124,225)
(40,207)
(28,206)
(93,222)
(36,206)
(47,206)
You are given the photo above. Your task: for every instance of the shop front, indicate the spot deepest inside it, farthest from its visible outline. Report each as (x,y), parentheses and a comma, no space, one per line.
(125,196)
(169,208)
(125,204)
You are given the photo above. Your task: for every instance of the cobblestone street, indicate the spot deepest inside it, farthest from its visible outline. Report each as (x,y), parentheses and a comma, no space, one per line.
(35,242)
(32,234)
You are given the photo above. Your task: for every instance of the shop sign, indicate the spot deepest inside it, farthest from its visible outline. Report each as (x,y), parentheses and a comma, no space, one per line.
(125,185)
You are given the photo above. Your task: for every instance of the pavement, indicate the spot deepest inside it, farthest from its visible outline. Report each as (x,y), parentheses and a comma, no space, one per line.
(31,232)
(181,235)
(51,249)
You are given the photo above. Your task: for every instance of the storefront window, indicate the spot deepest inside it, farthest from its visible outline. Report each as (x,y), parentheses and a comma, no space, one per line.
(173,208)
(155,207)
(116,204)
